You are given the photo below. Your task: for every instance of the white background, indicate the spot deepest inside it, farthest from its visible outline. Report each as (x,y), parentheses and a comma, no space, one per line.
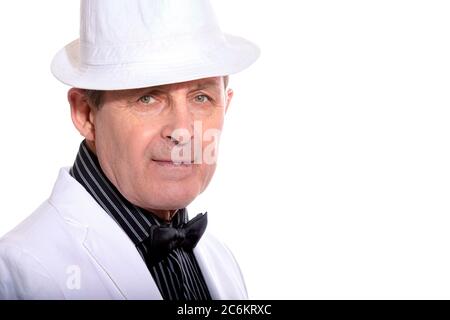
(334,172)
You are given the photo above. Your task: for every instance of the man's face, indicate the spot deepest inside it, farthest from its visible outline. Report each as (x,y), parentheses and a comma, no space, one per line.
(137,139)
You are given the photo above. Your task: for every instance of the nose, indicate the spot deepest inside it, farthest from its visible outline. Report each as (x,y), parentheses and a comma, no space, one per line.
(179,128)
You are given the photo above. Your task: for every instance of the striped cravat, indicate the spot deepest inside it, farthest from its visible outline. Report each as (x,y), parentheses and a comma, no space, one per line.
(177,276)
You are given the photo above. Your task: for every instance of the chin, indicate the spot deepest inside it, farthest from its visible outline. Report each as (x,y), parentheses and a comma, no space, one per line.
(173,196)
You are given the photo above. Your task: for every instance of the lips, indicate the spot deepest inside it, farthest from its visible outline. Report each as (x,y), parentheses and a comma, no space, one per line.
(171,163)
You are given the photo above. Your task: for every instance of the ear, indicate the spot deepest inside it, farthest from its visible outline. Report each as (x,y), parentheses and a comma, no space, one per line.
(82,113)
(229,96)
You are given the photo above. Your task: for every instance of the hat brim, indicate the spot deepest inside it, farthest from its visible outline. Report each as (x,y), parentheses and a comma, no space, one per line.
(234,56)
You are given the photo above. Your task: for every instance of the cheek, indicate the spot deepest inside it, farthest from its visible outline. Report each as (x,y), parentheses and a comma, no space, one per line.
(212,130)
(110,138)
(140,140)
(207,172)
(122,145)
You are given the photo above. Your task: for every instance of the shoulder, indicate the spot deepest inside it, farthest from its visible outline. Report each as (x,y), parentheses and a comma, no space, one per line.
(36,231)
(23,274)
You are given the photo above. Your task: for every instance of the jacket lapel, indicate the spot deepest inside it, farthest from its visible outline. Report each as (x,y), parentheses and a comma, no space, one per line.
(201,254)
(220,270)
(118,257)
(104,240)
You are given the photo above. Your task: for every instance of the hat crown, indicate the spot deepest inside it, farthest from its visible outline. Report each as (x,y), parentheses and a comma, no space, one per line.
(126,44)
(121,22)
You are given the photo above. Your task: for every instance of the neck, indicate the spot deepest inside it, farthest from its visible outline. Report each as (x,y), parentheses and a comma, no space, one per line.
(164,215)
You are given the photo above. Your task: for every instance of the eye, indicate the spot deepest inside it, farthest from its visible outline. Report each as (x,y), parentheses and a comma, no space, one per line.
(147,99)
(201,98)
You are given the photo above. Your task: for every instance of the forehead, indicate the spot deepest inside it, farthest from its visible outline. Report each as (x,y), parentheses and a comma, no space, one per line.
(204,83)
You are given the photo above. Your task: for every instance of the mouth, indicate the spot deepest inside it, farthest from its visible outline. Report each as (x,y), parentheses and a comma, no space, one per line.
(170,163)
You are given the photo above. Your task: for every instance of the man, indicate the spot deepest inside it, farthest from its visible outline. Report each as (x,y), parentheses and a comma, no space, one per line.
(149,95)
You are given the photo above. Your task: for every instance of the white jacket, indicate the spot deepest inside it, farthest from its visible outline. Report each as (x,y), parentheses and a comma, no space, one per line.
(70,248)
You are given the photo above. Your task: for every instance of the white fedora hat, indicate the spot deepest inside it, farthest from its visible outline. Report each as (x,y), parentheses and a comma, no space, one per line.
(127,44)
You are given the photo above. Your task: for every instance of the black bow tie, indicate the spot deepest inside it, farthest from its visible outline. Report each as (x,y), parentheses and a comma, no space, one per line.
(163,239)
